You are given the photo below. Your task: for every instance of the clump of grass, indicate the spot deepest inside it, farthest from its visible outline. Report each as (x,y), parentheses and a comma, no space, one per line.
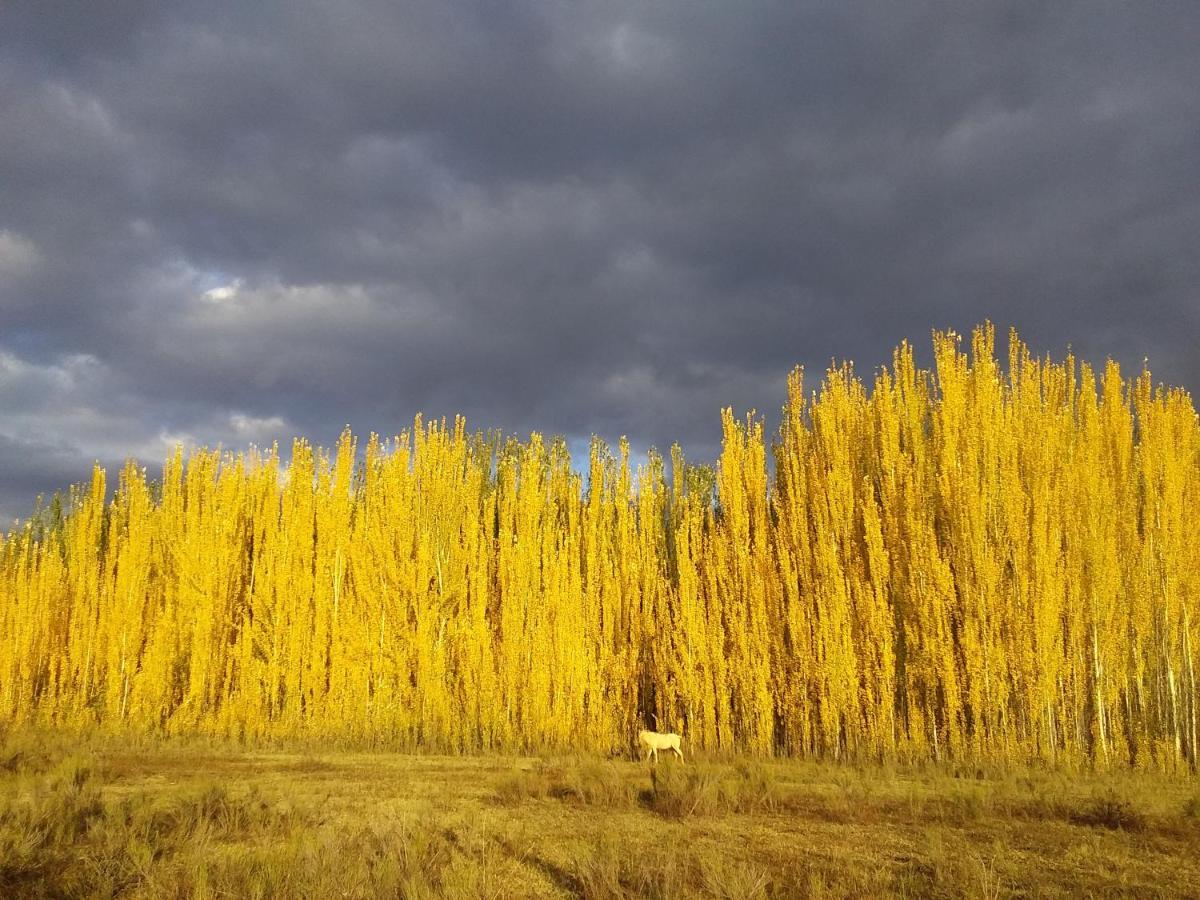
(676,791)
(1191,807)
(601,784)
(214,810)
(967,802)
(526,784)
(681,794)
(621,867)
(1111,811)
(24,752)
(701,790)
(721,877)
(591,783)
(756,789)
(310,764)
(615,870)
(944,869)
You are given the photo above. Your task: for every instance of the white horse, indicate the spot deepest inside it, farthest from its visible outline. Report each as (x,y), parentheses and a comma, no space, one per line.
(654,741)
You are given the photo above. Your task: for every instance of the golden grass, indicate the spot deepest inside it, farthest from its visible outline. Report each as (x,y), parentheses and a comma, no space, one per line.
(101,817)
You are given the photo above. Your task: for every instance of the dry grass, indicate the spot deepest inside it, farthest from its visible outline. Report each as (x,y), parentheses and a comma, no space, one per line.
(102,817)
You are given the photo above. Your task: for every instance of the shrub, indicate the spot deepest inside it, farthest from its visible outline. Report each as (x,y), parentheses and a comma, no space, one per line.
(1110,811)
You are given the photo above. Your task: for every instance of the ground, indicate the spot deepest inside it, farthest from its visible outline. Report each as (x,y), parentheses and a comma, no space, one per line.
(110,817)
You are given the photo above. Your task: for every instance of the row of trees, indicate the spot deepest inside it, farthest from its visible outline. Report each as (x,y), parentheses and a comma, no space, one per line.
(959,563)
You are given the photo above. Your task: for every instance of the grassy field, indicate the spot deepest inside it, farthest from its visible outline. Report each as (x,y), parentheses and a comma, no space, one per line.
(101,817)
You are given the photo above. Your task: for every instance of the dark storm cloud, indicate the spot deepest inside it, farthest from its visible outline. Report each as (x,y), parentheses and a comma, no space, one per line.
(234,223)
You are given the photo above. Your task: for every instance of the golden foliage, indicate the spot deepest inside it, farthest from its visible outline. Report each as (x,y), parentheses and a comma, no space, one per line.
(960,562)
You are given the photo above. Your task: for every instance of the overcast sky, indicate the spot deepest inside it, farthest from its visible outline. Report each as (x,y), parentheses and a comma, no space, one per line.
(235,223)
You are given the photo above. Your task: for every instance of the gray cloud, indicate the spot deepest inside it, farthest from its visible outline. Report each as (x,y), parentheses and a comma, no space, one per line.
(233,223)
